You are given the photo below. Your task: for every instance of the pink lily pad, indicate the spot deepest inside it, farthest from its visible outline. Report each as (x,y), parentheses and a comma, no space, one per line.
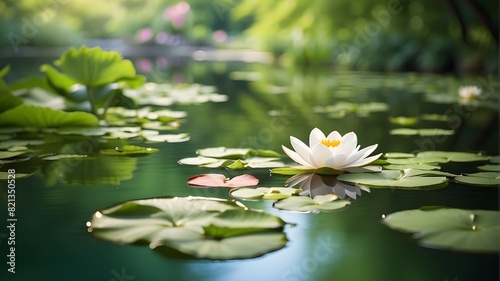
(219,180)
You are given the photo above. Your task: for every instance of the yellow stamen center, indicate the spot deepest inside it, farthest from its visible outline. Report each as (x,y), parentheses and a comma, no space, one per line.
(330,143)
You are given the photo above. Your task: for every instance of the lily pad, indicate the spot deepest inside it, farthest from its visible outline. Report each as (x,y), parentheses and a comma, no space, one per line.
(398,155)
(10,154)
(481,179)
(266,193)
(167,138)
(91,67)
(129,150)
(253,162)
(204,228)
(223,152)
(490,168)
(43,117)
(453,156)
(450,229)
(63,156)
(219,180)
(421,132)
(320,203)
(7,176)
(407,179)
(402,120)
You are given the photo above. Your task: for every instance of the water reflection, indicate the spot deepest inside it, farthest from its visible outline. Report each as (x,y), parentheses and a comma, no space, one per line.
(314,184)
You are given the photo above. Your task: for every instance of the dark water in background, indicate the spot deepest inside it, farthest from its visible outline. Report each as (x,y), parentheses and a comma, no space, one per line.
(51,238)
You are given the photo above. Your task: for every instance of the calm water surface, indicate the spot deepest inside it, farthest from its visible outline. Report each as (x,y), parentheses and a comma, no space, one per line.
(52,242)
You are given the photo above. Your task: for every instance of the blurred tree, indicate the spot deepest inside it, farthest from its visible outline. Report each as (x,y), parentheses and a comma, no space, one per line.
(370,34)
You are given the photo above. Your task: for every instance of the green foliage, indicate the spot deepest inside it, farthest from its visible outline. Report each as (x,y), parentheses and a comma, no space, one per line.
(368,34)
(450,229)
(101,74)
(204,228)
(43,117)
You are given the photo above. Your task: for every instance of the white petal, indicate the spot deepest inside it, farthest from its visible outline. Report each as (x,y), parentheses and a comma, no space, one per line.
(365,161)
(320,155)
(295,157)
(301,148)
(315,137)
(348,144)
(334,136)
(336,162)
(363,153)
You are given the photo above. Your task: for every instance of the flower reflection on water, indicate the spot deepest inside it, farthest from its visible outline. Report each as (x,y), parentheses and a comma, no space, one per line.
(314,184)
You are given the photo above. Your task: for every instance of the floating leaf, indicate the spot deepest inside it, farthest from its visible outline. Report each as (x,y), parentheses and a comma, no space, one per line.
(495,159)
(450,229)
(482,179)
(129,150)
(405,121)
(490,168)
(43,117)
(219,180)
(167,138)
(63,156)
(206,228)
(223,152)
(7,176)
(266,193)
(421,132)
(91,67)
(411,166)
(8,101)
(10,154)
(398,155)
(408,179)
(320,203)
(254,162)
(453,156)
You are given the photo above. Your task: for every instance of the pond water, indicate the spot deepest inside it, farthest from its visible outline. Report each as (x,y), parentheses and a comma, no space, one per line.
(266,105)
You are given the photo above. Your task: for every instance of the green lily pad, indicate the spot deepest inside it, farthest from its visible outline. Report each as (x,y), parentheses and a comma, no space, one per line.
(481,179)
(91,67)
(407,179)
(253,162)
(490,168)
(421,132)
(398,155)
(204,228)
(43,117)
(417,161)
(7,176)
(450,229)
(495,159)
(435,117)
(320,203)
(167,138)
(63,156)
(405,121)
(10,154)
(454,156)
(411,166)
(8,101)
(223,152)
(266,193)
(129,150)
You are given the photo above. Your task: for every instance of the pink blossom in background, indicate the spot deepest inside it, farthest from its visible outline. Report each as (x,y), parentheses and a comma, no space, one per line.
(162,62)
(144,34)
(219,36)
(145,65)
(177,14)
(161,38)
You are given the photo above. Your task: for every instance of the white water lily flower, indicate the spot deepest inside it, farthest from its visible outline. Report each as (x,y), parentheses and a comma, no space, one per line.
(469,92)
(333,151)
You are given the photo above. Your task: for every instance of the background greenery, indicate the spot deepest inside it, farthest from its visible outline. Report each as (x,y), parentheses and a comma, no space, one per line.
(403,35)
